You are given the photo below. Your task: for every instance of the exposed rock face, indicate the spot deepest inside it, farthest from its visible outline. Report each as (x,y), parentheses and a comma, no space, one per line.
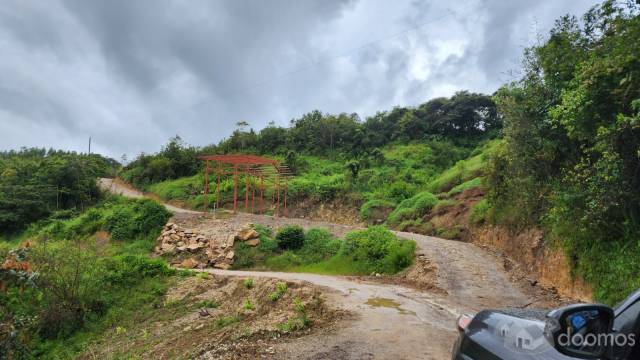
(247,233)
(190,249)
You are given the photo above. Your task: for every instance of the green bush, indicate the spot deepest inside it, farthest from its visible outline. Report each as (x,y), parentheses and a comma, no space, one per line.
(480,212)
(413,208)
(71,288)
(319,245)
(285,261)
(121,225)
(124,270)
(378,250)
(281,289)
(141,218)
(290,237)
(248,283)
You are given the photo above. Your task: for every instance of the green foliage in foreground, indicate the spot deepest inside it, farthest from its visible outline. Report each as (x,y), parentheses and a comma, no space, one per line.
(76,290)
(375,249)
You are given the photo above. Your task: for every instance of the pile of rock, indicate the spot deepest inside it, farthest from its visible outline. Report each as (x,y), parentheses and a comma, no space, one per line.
(191,249)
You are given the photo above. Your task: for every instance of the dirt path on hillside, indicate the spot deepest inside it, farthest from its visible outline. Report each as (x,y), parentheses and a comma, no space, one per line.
(392,321)
(119,187)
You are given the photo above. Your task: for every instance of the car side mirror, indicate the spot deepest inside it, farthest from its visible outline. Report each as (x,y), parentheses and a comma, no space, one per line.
(580,331)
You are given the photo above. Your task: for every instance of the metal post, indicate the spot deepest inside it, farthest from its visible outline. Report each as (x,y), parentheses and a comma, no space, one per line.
(235,188)
(286,190)
(206,186)
(218,186)
(246,189)
(253,192)
(261,194)
(278,196)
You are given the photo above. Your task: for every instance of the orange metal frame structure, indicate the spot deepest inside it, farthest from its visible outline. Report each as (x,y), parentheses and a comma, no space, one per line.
(259,173)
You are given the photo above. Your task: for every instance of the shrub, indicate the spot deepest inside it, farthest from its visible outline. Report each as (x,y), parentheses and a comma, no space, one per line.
(480,212)
(379,250)
(299,322)
(281,289)
(121,225)
(247,305)
(248,283)
(139,218)
(71,286)
(319,244)
(290,237)
(413,208)
(129,269)
(285,261)
(400,190)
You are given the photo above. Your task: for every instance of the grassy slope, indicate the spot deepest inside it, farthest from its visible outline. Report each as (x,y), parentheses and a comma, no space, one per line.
(406,170)
(128,304)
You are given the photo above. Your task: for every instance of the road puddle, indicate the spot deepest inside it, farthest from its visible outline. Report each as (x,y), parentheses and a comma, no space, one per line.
(388,303)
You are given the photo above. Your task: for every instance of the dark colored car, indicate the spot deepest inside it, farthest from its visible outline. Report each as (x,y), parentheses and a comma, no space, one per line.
(581,331)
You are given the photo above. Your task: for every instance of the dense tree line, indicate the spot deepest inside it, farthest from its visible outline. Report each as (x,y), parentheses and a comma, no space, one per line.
(465,119)
(571,159)
(176,159)
(36,182)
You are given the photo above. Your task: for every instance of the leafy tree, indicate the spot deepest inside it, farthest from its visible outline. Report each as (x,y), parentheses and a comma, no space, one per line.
(571,158)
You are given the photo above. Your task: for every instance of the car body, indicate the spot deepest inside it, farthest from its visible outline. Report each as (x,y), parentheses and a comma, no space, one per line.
(522,334)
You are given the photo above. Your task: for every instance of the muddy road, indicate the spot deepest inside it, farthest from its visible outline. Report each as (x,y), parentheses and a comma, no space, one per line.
(391,320)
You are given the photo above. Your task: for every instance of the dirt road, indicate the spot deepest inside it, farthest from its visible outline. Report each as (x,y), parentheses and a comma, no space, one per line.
(118,187)
(392,321)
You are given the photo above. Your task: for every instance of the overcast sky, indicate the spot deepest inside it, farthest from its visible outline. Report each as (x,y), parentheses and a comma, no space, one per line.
(133,73)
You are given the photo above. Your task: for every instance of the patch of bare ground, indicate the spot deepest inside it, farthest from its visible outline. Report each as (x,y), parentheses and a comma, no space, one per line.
(338,211)
(218,317)
(541,271)
(422,276)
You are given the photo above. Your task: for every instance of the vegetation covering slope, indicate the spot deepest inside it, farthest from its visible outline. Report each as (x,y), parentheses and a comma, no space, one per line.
(66,286)
(34,183)
(566,158)
(571,156)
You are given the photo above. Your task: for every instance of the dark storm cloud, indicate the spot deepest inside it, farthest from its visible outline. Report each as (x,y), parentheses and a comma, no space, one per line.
(133,73)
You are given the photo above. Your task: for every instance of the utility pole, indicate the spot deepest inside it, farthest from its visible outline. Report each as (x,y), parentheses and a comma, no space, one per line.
(89,145)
